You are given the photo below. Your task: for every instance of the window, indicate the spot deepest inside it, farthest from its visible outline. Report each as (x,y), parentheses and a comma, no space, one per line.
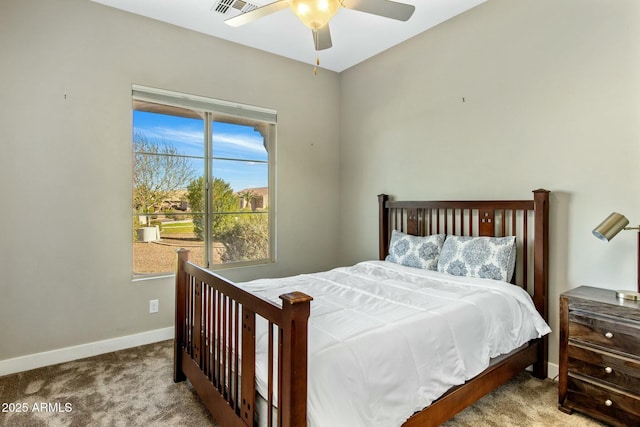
(202,180)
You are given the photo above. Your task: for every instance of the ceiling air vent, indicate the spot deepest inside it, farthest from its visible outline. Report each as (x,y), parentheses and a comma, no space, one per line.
(226,6)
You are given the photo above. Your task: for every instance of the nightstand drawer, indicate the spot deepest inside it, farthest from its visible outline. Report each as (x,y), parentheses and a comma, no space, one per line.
(618,371)
(618,336)
(615,407)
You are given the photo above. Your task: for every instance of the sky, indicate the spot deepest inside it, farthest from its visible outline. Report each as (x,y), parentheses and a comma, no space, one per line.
(242,144)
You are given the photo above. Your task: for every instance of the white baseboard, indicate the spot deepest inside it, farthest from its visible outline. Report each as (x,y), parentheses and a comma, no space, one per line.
(553,371)
(62,355)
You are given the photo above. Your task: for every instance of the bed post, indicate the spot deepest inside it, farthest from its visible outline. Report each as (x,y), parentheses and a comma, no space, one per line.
(541,273)
(296,307)
(181,286)
(383,226)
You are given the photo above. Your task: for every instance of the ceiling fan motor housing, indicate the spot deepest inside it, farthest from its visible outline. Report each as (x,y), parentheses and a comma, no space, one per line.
(315,14)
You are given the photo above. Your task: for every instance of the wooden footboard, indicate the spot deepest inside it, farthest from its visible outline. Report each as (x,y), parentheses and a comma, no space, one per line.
(215,347)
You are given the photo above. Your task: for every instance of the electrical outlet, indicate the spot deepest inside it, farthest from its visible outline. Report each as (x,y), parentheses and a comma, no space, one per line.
(153,306)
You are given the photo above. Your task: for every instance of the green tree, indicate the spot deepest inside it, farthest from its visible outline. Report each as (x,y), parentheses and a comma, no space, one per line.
(224,202)
(159,170)
(195,197)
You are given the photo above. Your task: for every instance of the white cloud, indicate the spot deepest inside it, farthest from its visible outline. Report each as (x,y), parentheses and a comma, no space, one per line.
(230,141)
(185,136)
(241,142)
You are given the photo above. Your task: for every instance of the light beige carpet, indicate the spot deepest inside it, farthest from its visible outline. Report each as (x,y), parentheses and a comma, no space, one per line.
(135,388)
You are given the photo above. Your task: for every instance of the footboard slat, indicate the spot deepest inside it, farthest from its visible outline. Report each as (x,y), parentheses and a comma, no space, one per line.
(215,347)
(223,348)
(229,355)
(270,375)
(218,347)
(196,327)
(279,391)
(236,356)
(248,403)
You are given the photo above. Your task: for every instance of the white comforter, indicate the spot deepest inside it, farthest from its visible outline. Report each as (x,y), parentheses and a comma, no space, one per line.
(387,340)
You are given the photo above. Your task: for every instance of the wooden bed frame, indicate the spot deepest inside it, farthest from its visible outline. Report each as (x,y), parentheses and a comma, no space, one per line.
(215,320)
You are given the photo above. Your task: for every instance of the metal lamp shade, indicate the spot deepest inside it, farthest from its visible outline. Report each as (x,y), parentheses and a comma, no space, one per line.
(611,226)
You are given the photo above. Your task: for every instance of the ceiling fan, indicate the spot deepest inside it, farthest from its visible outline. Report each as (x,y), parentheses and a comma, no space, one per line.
(316,14)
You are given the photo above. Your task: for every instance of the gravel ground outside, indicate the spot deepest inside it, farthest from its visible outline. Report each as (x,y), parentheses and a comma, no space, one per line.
(160,257)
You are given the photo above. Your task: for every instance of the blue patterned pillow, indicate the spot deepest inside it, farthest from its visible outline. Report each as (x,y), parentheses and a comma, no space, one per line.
(415,251)
(484,257)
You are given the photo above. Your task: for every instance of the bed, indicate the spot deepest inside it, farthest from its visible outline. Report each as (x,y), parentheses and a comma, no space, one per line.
(253,345)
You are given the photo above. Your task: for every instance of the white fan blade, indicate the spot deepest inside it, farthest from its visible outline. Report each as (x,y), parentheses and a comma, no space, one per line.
(268,9)
(386,8)
(322,38)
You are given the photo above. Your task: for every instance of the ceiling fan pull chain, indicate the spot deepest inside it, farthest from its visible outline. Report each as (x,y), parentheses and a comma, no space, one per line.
(315,68)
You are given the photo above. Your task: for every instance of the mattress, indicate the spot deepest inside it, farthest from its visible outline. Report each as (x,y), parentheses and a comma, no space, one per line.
(386,340)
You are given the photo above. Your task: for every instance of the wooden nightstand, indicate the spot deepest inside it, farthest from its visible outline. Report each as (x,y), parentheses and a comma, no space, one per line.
(600,356)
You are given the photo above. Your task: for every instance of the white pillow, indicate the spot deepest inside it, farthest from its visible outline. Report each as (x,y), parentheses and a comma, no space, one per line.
(415,251)
(484,257)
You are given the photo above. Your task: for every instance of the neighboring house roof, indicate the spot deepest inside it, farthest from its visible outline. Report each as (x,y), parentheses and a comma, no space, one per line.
(260,191)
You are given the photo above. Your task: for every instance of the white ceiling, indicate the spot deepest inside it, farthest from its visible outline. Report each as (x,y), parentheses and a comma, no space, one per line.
(356,36)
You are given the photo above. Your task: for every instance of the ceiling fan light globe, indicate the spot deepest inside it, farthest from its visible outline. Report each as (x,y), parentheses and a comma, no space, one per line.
(315,14)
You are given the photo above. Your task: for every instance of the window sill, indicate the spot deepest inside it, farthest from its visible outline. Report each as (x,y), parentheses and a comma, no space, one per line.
(152,277)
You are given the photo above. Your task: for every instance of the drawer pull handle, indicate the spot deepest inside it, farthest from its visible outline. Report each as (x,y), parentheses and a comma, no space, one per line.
(608,370)
(608,335)
(608,402)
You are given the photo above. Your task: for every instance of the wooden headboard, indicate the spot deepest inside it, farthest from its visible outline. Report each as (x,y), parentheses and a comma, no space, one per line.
(527,220)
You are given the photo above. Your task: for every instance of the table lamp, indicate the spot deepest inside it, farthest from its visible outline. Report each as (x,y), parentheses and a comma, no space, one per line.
(606,231)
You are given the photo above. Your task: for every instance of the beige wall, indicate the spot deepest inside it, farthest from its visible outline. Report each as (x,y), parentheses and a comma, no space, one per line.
(65,163)
(511,96)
